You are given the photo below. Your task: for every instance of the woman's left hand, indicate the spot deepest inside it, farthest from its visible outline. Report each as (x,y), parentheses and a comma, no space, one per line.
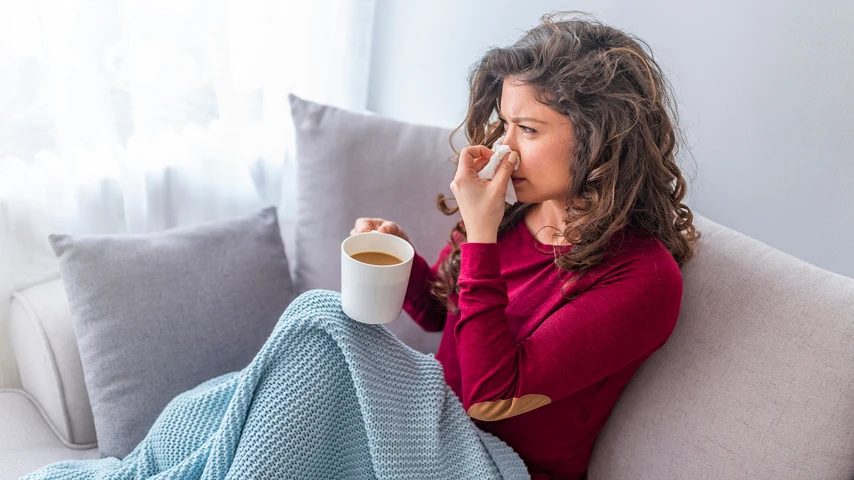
(481,201)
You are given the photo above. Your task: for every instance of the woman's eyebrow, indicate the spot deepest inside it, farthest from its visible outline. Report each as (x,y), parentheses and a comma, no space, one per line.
(524,119)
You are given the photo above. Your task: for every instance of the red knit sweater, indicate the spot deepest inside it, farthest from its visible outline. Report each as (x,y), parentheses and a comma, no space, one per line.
(541,373)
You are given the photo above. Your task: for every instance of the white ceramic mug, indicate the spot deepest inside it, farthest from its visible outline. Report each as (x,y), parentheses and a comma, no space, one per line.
(374,293)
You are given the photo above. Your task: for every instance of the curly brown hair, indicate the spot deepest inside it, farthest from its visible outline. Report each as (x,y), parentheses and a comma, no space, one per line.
(623,167)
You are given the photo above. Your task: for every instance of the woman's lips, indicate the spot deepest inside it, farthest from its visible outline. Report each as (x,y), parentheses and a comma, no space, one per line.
(516,181)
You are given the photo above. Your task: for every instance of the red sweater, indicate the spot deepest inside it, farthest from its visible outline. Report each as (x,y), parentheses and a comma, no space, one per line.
(538,372)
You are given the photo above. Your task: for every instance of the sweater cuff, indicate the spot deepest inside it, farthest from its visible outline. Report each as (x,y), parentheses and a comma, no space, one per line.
(480,260)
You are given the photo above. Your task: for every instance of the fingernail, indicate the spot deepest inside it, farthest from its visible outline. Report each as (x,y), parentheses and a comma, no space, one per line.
(513,157)
(383,229)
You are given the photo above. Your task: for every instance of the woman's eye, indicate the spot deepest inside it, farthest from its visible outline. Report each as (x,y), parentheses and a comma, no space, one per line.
(524,128)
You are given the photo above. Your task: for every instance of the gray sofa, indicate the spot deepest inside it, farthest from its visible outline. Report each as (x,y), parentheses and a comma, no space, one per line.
(755,382)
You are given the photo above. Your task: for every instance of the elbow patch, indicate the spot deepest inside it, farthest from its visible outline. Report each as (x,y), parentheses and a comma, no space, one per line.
(510,407)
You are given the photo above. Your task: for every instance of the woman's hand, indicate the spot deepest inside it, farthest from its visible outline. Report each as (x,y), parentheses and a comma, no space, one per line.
(481,201)
(380,225)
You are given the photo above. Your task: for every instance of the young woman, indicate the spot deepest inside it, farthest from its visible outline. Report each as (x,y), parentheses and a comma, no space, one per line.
(548,306)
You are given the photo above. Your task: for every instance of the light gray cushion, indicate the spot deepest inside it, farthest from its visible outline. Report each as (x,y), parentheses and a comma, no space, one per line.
(156,314)
(756,382)
(353,165)
(27,443)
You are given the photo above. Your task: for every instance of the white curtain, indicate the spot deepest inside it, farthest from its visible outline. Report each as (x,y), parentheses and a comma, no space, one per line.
(123,116)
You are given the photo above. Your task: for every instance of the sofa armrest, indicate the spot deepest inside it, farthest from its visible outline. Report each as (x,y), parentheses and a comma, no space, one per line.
(45,349)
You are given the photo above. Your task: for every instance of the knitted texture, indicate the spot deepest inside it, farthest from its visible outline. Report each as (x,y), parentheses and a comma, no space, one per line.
(325,397)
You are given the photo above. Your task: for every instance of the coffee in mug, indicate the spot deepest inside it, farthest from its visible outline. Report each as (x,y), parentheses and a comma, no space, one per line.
(376,258)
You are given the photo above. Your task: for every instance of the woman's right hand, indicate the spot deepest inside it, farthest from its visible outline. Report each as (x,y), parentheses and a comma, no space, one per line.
(380,225)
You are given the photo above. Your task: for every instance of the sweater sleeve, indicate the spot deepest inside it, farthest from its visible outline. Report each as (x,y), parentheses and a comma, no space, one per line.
(620,319)
(426,310)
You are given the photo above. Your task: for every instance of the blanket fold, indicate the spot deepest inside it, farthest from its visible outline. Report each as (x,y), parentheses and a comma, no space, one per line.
(325,397)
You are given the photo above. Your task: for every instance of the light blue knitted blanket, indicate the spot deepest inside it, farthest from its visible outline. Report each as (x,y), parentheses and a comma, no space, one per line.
(326,397)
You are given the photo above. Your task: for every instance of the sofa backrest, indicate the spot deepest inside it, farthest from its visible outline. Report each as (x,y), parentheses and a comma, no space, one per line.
(755,381)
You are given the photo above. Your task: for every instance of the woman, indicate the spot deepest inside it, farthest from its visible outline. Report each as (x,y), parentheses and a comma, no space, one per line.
(548,306)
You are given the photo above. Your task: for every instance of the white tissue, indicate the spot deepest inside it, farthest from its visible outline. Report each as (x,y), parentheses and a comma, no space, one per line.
(489,170)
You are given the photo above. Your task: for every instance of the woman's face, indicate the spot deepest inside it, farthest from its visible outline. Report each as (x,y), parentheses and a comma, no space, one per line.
(543,138)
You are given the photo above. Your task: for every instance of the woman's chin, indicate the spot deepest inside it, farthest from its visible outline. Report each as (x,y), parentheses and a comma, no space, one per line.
(521,194)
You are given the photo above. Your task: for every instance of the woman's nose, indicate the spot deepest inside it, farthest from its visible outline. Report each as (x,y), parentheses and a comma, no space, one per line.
(510,140)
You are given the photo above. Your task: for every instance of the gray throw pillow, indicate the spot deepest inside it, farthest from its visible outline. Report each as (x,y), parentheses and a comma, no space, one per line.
(353,165)
(157,314)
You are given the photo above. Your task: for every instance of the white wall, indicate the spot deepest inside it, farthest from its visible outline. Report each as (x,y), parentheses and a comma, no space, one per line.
(765,90)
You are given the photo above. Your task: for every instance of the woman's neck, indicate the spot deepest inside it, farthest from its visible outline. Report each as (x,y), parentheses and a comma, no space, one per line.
(545,221)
